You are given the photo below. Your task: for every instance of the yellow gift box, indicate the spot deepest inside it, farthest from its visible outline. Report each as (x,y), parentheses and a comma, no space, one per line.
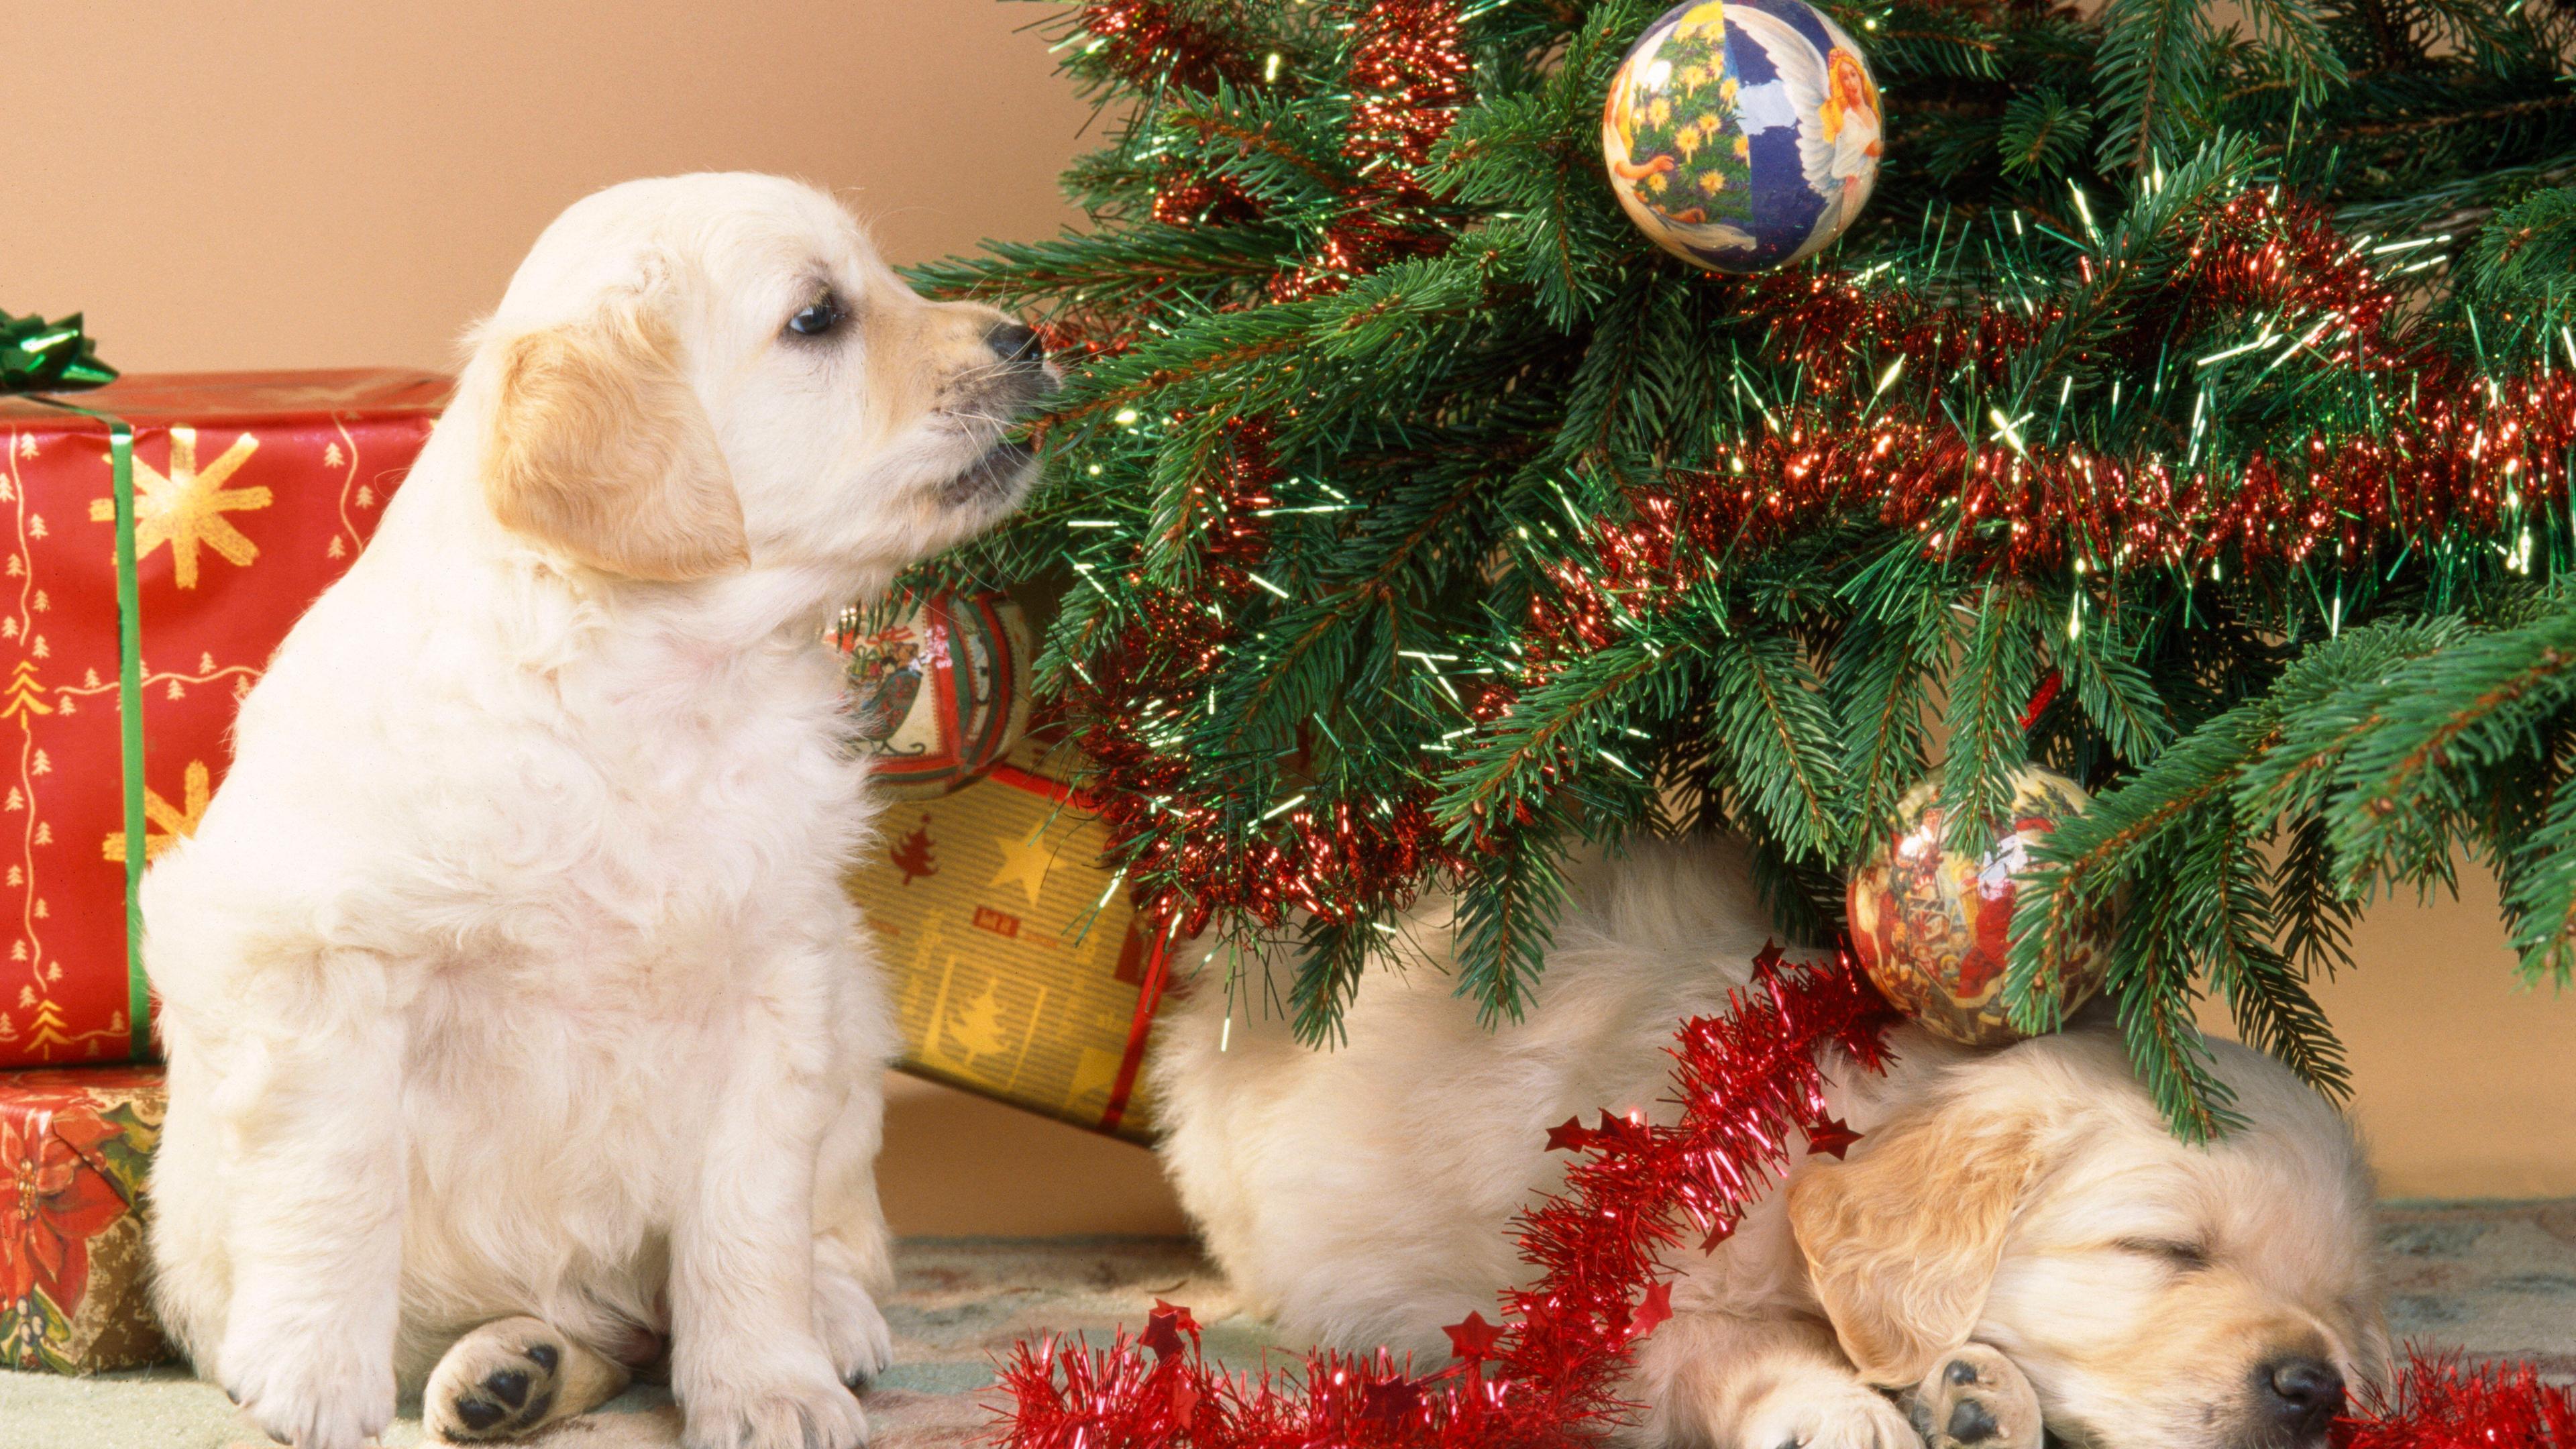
(1017,967)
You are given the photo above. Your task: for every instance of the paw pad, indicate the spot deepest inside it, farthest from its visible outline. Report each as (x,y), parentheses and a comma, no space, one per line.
(1975,1398)
(493,1386)
(510,1386)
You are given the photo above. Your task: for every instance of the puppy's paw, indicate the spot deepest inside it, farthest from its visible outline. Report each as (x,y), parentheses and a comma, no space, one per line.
(1975,1398)
(740,1410)
(508,1379)
(318,1393)
(854,1333)
(1822,1411)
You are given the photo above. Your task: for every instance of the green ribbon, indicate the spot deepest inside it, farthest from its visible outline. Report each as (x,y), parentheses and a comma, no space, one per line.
(36,355)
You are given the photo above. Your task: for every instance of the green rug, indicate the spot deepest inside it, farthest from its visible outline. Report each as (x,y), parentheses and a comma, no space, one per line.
(2489,1280)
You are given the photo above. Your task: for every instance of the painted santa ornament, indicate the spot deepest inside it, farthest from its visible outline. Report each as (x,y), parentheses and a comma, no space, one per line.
(939,694)
(1742,135)
(1932,926)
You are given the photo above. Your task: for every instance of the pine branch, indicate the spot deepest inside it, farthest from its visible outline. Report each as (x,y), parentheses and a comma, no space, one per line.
(2540,900)
(1017,274)
(2270,1003)
(1770,712)
(1883,668)
(2043,133)
(2153,73)
(2316,916)
(2446,719)
(2116,695)
(1998,671)
(2136,255)
(1557,732)
(1506,918)
(1305,635)
(1331,961)
(2151,988)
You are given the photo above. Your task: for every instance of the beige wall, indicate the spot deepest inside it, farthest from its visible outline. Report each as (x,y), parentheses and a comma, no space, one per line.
(306,183)
(332,182)
(2464,1081)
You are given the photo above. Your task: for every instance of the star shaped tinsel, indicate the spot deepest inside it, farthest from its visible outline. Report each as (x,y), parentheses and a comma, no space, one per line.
(1474,1339)
(1831,1138)
(1163,1330)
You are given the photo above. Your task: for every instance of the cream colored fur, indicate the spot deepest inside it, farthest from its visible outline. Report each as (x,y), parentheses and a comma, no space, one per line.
(2028,1198)
(510,972)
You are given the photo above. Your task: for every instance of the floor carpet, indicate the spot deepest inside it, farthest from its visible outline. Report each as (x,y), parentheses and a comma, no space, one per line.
(2488,1280)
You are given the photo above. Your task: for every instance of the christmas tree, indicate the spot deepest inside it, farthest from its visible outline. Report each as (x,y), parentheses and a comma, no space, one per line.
(914,855)
(2190,411)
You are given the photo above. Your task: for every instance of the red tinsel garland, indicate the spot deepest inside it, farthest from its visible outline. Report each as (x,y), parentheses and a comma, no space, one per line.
(2462,454)
(1150,42)
(1550,1372)
(2437,1404)
(1408,77)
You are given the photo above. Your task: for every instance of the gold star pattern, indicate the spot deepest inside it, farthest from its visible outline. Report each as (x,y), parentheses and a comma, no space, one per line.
(175,823)
(187,507)
(1025,859)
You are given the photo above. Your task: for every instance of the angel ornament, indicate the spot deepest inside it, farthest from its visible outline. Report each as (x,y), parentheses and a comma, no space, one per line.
(1742,134)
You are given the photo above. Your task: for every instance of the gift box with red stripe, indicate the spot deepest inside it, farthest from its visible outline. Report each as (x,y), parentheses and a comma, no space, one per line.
(251,492)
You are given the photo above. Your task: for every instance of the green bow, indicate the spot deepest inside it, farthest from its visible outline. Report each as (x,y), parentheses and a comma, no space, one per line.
(41,356)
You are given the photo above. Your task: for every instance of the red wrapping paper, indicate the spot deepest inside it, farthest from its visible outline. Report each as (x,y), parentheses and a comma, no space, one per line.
(253,491)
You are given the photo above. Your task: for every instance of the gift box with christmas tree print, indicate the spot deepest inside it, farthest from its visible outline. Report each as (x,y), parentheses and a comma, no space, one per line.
(73,1146)
(1017,968)
(252,492)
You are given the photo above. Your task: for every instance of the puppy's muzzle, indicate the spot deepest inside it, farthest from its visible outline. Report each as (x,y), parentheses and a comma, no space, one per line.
(1021,381)
(1016,344)
(2296,1399)
(1025,375)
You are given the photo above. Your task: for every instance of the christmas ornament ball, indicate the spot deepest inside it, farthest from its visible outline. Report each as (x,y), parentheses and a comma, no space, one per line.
(1933,926)
(1742,135)
(939,694)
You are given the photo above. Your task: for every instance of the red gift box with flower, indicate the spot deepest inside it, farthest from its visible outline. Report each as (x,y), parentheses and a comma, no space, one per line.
(251,493)
(73,1148)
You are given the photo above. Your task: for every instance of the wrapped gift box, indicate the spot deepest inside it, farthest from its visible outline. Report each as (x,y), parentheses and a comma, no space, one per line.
(1018,969)
(253,491)
(73,1145)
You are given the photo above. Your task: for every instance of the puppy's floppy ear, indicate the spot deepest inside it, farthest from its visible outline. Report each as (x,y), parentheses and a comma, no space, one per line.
(599,449)
(1901,1242)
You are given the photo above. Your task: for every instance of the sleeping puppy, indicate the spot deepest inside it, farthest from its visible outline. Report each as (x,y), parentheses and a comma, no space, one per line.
(508,987)
(2027,1201)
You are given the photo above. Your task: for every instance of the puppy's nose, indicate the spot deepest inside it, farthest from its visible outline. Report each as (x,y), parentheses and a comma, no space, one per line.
(1012,342)
(2302,1393)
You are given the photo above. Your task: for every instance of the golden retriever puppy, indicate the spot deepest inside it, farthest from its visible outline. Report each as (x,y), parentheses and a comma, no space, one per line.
(509,983)
(2030,1200)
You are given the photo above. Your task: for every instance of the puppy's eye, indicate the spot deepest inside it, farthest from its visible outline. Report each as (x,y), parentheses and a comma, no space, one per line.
(817,318)
(2187,1257)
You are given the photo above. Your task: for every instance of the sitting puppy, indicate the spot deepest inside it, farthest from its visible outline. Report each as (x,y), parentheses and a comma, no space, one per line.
(2023,1209)
(509,982)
